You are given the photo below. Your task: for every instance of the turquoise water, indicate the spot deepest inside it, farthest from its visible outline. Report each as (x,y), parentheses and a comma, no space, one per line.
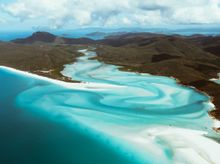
(112,117)
(216,80)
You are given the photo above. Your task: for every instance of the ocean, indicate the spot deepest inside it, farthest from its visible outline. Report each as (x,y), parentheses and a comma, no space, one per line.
(110,117)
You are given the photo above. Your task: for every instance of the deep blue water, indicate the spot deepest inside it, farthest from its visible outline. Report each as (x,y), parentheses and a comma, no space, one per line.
(9,35)
(113,117)
(77,33)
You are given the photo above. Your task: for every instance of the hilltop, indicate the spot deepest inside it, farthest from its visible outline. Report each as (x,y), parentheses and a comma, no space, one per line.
(191,59)
(45,37)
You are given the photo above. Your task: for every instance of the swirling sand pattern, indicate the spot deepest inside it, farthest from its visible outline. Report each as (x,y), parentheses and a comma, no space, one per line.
(118,117)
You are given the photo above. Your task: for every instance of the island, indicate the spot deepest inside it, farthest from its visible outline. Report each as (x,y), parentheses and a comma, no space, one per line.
(192,60)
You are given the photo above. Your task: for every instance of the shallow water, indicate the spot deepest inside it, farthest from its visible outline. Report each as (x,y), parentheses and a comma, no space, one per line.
(118,117)
(216,80)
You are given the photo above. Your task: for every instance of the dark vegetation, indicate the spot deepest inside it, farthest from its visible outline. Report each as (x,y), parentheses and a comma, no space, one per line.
(191,59)
(194,60)
(46,60)
(45,37)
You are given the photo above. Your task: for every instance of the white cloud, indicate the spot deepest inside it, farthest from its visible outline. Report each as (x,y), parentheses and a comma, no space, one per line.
(58,13)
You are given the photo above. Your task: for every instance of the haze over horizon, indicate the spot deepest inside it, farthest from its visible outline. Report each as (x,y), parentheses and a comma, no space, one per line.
(110,81)
(17,15)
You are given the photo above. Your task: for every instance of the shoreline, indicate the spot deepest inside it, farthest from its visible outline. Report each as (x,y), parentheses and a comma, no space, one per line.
(204,86)
(216,122)
(211,112)
(211,100)
(216,80)
(190,138)
(69,83)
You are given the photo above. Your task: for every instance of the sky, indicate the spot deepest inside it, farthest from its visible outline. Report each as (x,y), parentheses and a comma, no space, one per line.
(72,14)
